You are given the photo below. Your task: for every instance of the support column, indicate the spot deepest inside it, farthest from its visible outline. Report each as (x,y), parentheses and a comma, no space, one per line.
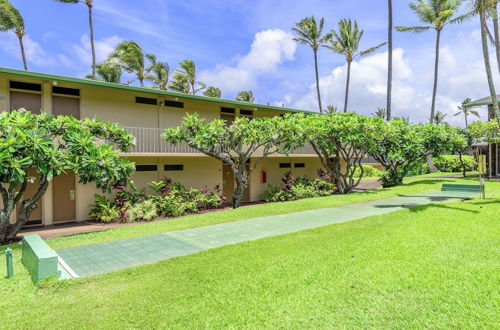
(47,97)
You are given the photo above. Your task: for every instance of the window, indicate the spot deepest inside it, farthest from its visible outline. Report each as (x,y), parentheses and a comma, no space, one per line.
(65,91)
(173,167)
(228,110)
(146,168)
(25,86)
(285,165)
(146,100)
(246,113)
(173,104)
(300,165)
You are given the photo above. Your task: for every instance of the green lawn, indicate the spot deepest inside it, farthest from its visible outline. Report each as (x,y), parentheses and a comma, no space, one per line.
(432,266)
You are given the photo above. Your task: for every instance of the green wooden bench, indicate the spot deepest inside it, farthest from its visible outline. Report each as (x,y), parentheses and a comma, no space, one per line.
(461,187)
(39,259)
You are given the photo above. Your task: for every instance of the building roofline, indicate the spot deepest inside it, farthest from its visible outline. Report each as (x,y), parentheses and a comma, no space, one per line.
(97,83)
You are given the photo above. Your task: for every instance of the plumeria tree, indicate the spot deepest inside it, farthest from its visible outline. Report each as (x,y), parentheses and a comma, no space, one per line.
(53,146)
(237,143)
(339,140)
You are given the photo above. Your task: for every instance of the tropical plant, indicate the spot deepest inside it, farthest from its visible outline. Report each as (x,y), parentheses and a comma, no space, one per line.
(436,14)
(380,113)
(346,42)
(108,72)
(158,72)
(466,111)
(245,96)
(311,33)
(496,32)
(297,188)
(439,118)
(184,80)
(331,109)
(11,20)
(130,57)
(89,4)
(213,92)
(54,145)
(389,60)
(237,143)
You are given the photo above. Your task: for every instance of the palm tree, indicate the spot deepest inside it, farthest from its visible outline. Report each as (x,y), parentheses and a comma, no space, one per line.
(130,57)
(466,111)
(331,109)
(213,92)
(11,20)
(311,34)
(180,83)
(346,42)
(496,40)
(436,14)
(108,72)
(439,118)
(484,9)
(380,113)
(89,4)
(245,96)
(389,64)
(187,74)
(160,72)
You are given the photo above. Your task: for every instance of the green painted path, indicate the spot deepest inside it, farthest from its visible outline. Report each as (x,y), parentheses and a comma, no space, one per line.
(105,257)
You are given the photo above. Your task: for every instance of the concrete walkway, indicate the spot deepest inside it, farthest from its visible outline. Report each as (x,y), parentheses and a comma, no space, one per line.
(120,254)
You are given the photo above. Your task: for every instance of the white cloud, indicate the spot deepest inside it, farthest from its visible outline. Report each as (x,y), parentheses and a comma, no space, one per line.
(103,48)
(269,49)
(35,54)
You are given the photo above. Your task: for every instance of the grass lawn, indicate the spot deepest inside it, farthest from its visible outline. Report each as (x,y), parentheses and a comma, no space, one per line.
(432,266)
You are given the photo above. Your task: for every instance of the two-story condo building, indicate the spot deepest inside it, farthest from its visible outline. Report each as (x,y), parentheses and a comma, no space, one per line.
(145,113)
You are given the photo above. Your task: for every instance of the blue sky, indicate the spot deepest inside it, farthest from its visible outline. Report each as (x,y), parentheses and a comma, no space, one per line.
(241,45)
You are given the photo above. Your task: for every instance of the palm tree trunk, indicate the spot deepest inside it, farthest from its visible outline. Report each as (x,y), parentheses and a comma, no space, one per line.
(347,85)
(389,65)
(436,72)
(466,121)
(21,44)
(487,64)
(317,79)
(497,35)
(92,46)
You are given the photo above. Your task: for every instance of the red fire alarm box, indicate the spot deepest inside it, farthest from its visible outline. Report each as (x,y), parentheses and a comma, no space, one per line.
(263,177)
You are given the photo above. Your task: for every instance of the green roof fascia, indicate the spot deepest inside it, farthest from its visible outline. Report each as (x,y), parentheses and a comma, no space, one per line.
(96,83)
(473,105)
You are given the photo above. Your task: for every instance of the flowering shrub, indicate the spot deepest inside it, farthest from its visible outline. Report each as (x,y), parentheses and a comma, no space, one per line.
(298,188)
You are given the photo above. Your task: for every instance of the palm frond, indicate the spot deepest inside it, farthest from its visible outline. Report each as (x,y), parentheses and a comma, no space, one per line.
(414,29)
(372,50)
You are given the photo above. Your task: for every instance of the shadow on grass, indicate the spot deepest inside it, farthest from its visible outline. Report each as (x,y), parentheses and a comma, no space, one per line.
(422,208)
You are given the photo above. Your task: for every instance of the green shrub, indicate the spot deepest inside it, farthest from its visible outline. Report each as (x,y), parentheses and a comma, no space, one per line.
(297,188)
(142,211)
(451,163)
(368,171)
(392,178)
(418,167)
(103,210)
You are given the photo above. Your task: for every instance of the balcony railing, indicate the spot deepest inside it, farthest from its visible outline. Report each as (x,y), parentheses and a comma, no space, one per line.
(148,140)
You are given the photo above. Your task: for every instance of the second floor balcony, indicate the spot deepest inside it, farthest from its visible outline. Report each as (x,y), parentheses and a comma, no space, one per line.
(149,142)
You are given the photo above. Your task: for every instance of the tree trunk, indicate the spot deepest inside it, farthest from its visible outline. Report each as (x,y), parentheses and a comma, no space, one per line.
(486,56)
(436,72)
(497,34)
(23,54)
(466,121)
(347,85)
(317,79)
(463,164)
(92,46)
(389,64)
(241,183)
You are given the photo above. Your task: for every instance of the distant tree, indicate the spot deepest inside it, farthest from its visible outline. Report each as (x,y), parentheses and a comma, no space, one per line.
(213,92)
(54,145)
(108,72)
(11,20)
(130,57)
(436,14)
(245,96)
(331,109)
(158,72)
(89,4)
(466,111)
(439,118)
(311,33)
(184,80)
(380,113)
(237,143)
(346,42)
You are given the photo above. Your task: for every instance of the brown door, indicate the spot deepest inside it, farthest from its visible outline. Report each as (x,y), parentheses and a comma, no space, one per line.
(66,106)
(228,185)
(63,187)
(29,101)
(31,189)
